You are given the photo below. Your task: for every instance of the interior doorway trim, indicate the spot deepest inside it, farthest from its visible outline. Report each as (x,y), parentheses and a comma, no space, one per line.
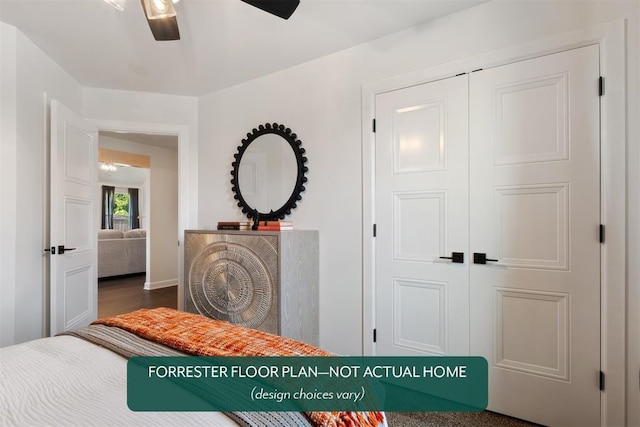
(187,177)
(611,39)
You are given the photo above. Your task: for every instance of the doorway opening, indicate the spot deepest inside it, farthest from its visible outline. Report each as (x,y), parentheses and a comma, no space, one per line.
(138,183)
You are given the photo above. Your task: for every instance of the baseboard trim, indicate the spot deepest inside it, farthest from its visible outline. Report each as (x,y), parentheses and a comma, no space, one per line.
(150,286)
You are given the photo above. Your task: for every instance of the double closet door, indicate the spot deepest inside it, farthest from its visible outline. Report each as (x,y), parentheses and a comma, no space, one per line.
(487,205)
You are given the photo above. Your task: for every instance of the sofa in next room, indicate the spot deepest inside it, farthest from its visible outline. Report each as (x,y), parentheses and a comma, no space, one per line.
(121,252)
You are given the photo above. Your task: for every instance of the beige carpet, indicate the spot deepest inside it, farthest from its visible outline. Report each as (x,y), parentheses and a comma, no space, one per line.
(453,419)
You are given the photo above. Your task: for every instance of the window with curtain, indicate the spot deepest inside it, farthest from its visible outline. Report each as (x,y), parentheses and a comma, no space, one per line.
(120,208)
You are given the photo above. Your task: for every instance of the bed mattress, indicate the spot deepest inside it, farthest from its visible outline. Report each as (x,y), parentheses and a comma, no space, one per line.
(68,381)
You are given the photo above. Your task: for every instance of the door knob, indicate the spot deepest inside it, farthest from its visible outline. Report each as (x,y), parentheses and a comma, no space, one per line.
(52,250)
(457,257)
(480,258)
(62,249)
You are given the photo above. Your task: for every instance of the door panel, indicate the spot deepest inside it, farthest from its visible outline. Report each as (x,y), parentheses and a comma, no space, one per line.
(74,282)
(531,225)
(422,304)
(534,198)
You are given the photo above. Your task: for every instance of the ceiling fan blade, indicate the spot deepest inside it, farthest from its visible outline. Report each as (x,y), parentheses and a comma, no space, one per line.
(164,29)
(282,8)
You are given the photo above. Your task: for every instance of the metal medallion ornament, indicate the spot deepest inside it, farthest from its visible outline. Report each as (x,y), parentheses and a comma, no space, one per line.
(228,281)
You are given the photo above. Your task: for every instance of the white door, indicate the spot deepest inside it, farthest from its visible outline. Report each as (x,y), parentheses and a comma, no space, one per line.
(529,188)
(422,300)
(73,180)
(535,208)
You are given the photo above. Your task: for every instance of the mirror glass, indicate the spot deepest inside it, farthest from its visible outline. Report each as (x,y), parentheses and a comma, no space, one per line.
(268,172)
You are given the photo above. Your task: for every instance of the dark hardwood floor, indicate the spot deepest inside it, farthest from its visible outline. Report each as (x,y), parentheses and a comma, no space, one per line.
(122,294)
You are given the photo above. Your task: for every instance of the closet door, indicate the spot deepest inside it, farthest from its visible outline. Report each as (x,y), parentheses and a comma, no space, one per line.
(535,215)
(421,181)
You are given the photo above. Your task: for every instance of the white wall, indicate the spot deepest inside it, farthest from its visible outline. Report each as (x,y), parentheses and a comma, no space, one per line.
(320,101)
(29,75)
(633,254)
(8,147)
(162,241)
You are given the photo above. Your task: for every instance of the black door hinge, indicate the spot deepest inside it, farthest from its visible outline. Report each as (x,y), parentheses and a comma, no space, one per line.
(601,86)
(601,233)
(374,125)
(374,230)
(374,335)
(601,381)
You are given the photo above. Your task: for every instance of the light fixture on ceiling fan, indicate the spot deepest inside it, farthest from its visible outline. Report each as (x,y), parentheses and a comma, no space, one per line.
(161,14)
(159,9)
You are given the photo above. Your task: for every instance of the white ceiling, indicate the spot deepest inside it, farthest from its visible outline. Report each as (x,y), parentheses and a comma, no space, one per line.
(124,175)
(223,42)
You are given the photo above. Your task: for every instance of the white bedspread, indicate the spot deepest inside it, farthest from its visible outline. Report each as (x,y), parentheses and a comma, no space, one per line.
(64,381)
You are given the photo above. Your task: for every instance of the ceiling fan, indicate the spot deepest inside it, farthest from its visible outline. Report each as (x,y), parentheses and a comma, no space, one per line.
(161,15)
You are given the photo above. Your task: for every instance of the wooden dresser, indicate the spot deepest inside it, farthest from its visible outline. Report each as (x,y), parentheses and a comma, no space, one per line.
(267,280)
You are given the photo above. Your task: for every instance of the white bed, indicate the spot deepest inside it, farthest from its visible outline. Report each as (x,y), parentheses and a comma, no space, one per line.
(80,378)
(67,381)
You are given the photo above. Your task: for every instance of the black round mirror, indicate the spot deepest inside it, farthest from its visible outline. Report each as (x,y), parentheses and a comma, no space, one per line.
(268,172)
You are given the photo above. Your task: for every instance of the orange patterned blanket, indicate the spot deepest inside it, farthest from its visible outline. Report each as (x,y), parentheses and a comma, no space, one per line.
(201,336)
